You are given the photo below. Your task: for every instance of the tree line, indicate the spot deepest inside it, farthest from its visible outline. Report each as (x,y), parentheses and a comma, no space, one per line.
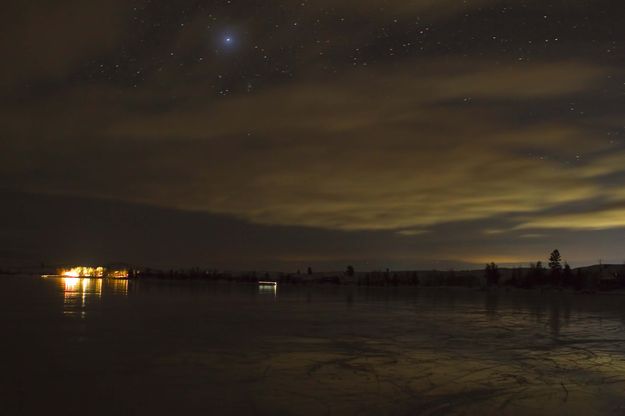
(555,273)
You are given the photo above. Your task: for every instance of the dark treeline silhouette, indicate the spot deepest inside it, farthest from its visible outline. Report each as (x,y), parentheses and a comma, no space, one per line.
(557,275)
(492,274)
(349,276)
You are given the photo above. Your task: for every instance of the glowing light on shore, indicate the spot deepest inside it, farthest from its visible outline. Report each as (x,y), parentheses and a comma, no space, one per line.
(117,274)
(84,271)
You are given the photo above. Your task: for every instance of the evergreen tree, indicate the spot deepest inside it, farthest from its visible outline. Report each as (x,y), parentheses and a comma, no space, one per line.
(555,265)
(555,261)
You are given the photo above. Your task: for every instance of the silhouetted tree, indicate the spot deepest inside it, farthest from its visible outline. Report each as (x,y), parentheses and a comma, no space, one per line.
(350,271)
(555,265)
(492,274)
(555,260)
(309,271)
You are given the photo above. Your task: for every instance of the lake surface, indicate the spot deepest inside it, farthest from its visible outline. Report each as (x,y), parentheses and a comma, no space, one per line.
(94,347)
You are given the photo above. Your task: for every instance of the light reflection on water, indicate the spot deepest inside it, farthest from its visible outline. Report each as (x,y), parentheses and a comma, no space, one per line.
(199,348)
(79,292)
(269,290)
(118,286)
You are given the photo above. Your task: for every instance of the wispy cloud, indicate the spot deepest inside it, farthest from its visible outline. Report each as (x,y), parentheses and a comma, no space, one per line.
(602,219)
(398,150)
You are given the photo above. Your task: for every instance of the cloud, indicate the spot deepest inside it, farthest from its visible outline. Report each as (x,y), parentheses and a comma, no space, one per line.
(420,154)
(43,40)
(411,233)
(605,211)
(376,150)
(604,165)
(602,219)
(372,98)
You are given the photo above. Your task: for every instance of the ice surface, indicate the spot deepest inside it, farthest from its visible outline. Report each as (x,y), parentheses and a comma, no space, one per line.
(163,348)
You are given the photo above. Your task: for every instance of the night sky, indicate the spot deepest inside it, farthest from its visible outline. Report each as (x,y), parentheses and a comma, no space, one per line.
(275,134)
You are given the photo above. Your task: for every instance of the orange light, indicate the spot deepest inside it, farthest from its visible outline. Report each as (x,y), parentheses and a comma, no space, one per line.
(117,274)
(71,284)
(82,271)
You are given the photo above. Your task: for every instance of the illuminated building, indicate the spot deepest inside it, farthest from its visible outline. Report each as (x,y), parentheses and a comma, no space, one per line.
(94,272)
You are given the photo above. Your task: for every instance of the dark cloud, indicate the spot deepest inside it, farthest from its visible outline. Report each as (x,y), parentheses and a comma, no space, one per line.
(331,154)
(44,40)
(397,121)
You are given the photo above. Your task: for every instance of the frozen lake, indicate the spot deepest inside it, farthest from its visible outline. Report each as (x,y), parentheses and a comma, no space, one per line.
(89,347)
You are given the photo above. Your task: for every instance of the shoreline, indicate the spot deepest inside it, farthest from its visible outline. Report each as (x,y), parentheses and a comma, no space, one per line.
(246,281)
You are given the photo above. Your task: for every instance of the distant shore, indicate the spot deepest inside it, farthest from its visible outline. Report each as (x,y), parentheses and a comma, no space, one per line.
(591,279)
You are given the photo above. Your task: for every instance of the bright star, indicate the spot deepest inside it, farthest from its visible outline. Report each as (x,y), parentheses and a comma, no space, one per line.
(227,42)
